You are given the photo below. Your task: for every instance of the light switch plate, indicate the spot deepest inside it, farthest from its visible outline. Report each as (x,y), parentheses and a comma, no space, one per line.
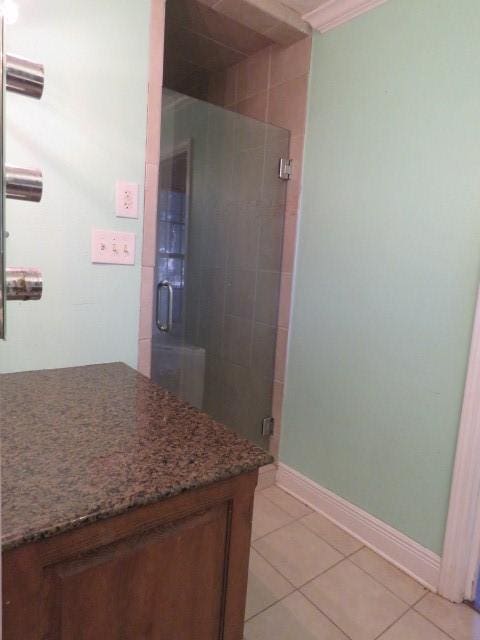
(126,199)
(113,247)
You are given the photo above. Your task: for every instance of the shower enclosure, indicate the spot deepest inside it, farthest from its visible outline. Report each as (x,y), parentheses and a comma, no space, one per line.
(219,249)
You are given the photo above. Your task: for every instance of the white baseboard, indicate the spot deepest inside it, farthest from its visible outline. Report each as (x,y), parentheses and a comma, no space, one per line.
(419,562)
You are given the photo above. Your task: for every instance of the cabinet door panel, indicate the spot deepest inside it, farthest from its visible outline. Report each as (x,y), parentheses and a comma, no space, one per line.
(130,590)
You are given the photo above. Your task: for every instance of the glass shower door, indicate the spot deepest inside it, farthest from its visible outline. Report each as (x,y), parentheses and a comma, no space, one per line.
(219,250)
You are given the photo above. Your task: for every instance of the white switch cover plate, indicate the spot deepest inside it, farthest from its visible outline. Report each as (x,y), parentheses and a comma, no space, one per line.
(126,199)
(113,247)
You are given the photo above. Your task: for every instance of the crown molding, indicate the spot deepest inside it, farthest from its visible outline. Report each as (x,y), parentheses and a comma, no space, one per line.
(332,13)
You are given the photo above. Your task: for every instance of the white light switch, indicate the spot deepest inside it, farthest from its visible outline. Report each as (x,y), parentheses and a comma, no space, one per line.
(113,247)
(126,199)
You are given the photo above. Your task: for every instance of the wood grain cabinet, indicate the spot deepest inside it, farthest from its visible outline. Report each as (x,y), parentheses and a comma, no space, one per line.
(172,570)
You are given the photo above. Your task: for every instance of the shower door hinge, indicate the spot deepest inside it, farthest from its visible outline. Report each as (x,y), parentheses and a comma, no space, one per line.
(267,426)
(285,169)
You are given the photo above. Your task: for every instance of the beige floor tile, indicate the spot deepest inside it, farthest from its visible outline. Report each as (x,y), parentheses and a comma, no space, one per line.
(397,581)
(286,502)
(412,626)
(339,539)
(297,553)
(293,618)
(458,620)
(267,517)
(265,585)
(356,602)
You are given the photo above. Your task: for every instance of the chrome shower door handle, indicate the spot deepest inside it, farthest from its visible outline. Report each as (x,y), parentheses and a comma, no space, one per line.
(164,284)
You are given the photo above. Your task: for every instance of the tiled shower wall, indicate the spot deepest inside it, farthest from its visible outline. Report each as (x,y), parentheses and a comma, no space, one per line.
(152,164)
(272,86)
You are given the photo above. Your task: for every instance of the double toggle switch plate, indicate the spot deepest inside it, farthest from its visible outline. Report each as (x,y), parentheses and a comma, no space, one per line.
(113,247)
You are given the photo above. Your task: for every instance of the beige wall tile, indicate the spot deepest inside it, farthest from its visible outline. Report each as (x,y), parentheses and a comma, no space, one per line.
(152,160)
(253,75)
(281,354)
(267,297)
(277,401)
(217,88)
(290,62)
(274,445)
(285,300)
(289,240)
(284,34)
(266,476)
(150,215)
(145,357)
(155,76)
(295,183)
(247,14)
(231,86)
(146,303)
(287,105)
(254,106)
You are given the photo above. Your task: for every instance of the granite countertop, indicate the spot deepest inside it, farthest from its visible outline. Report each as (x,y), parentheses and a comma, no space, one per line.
(86,443)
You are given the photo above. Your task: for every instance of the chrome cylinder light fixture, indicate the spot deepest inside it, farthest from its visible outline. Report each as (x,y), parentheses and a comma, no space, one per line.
(24,76)
(23,184)
(23,284)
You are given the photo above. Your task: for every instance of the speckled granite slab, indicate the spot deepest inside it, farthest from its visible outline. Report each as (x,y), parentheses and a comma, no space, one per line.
(90,442)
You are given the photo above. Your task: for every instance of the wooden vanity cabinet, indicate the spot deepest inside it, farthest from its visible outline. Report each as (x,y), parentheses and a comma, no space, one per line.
(172,570)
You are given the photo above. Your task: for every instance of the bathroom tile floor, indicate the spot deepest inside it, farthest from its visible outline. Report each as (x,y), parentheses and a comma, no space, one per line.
(309,580)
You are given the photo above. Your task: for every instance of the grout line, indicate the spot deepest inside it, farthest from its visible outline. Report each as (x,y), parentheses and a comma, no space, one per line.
(344,557)
(310,580)
(411,607)
(270,606)
(252,541)
(273,531)
(433,623)
(422,598)
(292,520)
(295,588)
(384,585)
(310,510)
(426,592)
(391,625)
(269,75)
(324,614)
(276,505)
(370,549)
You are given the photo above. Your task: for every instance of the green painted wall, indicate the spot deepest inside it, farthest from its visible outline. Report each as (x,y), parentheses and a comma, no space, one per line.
(388,261)
(86,132)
